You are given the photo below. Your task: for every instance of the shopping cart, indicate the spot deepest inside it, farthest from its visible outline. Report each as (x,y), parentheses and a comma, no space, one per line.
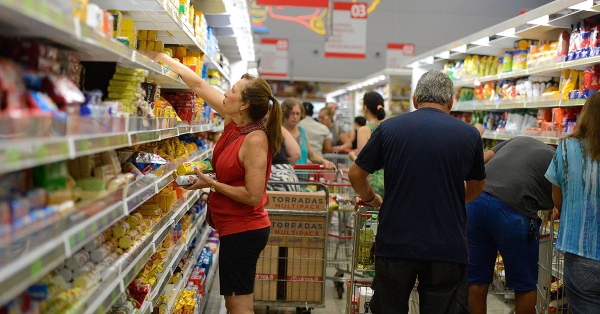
(550,293)
(340,234)
(363,262)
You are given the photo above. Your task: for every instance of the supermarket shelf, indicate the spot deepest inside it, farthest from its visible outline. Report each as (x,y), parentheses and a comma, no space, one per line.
(482,105)
(163,16)
(22,272)
(504,137)
(209,280)
(40,19)
(16,155)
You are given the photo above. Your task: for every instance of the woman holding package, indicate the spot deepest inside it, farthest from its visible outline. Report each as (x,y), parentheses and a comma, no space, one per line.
(575,175)
(242,162)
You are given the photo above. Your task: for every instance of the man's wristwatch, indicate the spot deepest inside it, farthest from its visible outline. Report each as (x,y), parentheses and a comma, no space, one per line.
(213,186)
(371,201)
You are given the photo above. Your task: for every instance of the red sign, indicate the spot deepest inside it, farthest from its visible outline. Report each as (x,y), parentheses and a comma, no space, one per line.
(295,3)
(407,49)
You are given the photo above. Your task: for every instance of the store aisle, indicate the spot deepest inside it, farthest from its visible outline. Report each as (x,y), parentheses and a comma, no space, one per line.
(216,305)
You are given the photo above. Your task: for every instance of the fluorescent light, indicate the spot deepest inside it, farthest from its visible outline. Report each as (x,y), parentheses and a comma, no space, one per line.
(584,5)
(542,20)
(481,42)
(428,60)
(443,55)
(460,49)
(382,77)
(414,65)
(507,33)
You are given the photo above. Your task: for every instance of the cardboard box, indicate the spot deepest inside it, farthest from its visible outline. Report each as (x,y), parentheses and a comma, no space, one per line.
(304,280)
(316,201)
(298,231)
(265,282)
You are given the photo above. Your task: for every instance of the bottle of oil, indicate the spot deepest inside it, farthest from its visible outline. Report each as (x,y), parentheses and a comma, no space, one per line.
(366,238)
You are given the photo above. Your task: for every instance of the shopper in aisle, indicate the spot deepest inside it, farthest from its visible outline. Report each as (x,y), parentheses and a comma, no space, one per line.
(318,135)
(338,136)
(575,175)
(242,162)
(427,155)
(282,169)
(353,138)
(374,114)
(504,218)
(292,111)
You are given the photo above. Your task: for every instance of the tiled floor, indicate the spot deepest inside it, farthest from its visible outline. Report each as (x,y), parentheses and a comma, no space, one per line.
(333,305)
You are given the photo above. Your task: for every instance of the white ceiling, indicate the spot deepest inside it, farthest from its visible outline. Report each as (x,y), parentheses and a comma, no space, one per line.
(425,23)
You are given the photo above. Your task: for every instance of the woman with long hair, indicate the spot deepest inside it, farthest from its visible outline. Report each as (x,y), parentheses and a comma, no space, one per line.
(242,160)
(575,176)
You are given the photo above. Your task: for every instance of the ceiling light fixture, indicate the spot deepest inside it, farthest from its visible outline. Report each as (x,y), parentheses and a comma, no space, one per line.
(507,33)
(584,5)
(460,49)
(481,42)
(542,20)
(443,55)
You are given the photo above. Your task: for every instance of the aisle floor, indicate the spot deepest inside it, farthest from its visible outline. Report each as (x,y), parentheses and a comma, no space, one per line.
(333,305)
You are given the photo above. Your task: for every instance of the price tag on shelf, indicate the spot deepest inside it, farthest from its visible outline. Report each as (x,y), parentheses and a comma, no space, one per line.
(30,7)
(35,268)
(12,155)
(41,152)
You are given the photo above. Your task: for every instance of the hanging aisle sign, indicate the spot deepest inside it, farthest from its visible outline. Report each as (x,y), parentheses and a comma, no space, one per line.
(397,53)
(349,36)
(274,57)
(295,3)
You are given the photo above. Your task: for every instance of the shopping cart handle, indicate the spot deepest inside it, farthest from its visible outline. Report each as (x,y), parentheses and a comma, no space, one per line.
(309,167)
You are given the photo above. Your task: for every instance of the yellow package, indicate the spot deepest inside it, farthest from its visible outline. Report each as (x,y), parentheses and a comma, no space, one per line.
(152,35)
(131,36)
(570,84)
(168,52)
(150,45)
(142,45)
(580,80)
(188,167)
(159,46)
(142,34)
(190,60)
(80,10)
(494,66)
(180,52)
(194,54)
(488,66)
(481,66)
(128,24)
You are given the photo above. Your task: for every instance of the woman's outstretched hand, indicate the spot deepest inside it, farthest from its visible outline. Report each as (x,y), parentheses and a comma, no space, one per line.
(150,54)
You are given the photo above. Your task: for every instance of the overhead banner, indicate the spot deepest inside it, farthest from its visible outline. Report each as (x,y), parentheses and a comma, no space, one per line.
(295,3)
(349,36)
(398,52)
(274,57)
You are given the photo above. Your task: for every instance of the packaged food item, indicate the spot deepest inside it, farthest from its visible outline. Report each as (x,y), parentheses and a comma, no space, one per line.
(127,241)
(507,62)
(186,180)
(88,266)
(120,229)
(87,280)
(101,252)
(188,167)
(77,260)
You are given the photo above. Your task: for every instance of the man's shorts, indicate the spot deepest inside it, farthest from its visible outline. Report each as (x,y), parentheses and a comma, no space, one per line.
(493,227)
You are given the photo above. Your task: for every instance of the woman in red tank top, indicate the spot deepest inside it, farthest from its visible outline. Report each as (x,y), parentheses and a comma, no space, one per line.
(242,162)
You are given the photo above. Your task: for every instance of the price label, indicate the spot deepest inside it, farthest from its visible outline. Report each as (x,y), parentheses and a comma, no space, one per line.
(106,141)
(83,145)
(12,155)
(71,242)
(35,268)
(30,6)
(81,235)
(104,221)
(41,152)
(94,227)
(359,11)
(100,309)
(113,295)
(44,11)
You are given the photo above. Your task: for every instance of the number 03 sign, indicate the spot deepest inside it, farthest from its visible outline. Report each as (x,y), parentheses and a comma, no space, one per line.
(349,31)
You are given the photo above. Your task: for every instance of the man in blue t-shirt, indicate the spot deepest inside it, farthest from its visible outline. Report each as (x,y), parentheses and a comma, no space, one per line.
(427,155)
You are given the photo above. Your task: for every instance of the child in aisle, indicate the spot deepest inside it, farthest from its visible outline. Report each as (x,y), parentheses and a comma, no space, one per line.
(242,161)
(575,176)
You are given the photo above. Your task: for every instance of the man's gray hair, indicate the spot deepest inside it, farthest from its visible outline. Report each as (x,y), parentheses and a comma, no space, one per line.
(434,87)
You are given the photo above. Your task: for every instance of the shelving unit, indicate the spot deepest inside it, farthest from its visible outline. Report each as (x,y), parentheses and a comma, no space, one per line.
(544,23)
(387,82)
